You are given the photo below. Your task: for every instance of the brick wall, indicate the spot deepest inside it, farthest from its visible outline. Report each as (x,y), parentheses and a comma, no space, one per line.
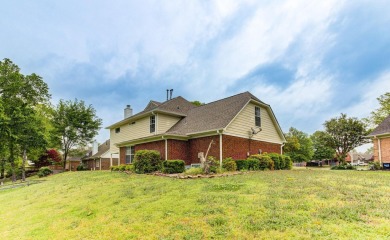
(385,149)
(178,150)
(122,155)
(237,147)
(158,146)
(197,145)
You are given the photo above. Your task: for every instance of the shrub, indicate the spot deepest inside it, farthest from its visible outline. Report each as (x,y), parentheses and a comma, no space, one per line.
(122,167)
(81,167)
(173,166)
(213,165)
(343,167)
(44,171)
(253,163)
(147,161)
(278,162)
(288,163)
(114,168)
(242,165)
(129,168)
(193,171)
(229,164)
(375,166)
(264,161)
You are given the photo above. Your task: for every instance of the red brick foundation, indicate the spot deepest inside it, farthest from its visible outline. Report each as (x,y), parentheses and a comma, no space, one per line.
(238,148)
(385,149)
(158,146)
(234,147)
(178,150)
(197,145)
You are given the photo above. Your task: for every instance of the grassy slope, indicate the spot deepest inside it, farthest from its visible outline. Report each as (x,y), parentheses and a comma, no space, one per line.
(303,204)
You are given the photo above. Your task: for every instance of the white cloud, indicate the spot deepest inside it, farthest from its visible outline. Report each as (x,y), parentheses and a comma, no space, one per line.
(369,91)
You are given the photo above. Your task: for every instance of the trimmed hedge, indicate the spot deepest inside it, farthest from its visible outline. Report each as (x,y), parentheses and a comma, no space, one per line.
(147,161)
(242,165)
(264,161)
(278,162)
(122,168)
(288,163)
(229,164)
(173,166)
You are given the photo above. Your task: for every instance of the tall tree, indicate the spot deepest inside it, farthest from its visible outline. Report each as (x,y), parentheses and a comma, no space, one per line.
(378,115)
(74,124)
(299,146)
(19,94)
(321,150)
(345,134)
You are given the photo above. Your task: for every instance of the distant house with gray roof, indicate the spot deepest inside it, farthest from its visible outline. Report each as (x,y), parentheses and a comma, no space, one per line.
(381,139)
(100,157)
(238,126)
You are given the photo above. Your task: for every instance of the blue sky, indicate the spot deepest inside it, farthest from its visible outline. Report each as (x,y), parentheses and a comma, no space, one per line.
(310,60)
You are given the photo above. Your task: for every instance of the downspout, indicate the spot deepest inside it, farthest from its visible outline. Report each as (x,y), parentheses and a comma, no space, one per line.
(166,147)
(281,148)
(220,148)
(379,151)
(110,160)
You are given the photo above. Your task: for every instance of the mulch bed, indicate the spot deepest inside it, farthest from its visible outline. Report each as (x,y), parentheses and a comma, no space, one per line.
(182,176)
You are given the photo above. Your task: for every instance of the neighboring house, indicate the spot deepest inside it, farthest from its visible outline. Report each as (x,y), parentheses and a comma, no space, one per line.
(381,139)
(100,158)
(73,162)
(359,158)
(239,126)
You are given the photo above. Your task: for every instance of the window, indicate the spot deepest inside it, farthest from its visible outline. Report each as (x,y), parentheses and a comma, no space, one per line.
(130,154)
(257,117)
(152,124)
(97,163)
(117,130)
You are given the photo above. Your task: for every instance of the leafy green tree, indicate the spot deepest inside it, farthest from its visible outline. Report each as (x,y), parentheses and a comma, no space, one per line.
(298,146)
(345,134)
(321,150)
(19,95)
(74,124)
(197,103)
(378,115)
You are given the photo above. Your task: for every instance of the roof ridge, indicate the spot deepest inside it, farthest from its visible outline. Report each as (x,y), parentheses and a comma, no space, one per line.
(222,99)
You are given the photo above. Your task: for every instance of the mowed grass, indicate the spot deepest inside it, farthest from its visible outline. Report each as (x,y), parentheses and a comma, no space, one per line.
(297,204)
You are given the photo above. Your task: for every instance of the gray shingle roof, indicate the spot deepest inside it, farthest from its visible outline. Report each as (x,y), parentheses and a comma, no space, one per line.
(178,106)
(211,116)
(383,128)
(102,148)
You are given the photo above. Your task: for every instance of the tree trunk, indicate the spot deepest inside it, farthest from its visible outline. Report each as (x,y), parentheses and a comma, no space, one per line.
(12,160)
(23,165)
(65,156)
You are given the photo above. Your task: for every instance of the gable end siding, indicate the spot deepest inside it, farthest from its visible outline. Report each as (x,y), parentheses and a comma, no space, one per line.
(165,122)
(241,125)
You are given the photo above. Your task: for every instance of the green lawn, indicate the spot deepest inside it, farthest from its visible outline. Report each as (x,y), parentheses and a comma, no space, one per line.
(298,204)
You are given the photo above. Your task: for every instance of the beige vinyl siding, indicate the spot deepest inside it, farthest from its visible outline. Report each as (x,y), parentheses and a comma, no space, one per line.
(130,131)
(165,122)
(241,125)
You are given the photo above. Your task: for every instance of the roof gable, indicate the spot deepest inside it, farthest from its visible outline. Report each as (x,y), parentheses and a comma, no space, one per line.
(383,128)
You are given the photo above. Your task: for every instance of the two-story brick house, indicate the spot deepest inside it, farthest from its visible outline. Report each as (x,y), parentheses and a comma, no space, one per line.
(239,125)
(381,139)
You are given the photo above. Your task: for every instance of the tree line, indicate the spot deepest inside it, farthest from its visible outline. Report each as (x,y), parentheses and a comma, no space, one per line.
(30,125)
(341,135)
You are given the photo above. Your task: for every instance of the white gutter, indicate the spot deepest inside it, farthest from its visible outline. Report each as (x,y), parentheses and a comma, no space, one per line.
(220,148)
(110,160)
(281,148)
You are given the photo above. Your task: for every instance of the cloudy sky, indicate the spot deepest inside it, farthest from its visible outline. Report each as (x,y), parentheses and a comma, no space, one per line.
(310,60)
